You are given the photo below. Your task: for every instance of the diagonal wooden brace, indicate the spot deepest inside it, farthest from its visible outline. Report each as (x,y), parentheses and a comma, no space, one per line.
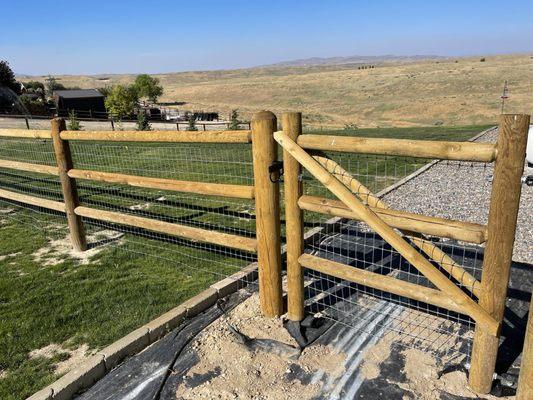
(432,251)
(480,315)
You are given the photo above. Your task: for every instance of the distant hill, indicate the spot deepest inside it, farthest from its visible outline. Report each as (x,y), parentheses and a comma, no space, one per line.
(316,61)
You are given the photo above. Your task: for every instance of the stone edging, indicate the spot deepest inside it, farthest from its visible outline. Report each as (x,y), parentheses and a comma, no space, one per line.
(95,367)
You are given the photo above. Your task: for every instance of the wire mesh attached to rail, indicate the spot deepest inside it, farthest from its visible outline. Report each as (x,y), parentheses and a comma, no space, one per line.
(199,262)
(440,189)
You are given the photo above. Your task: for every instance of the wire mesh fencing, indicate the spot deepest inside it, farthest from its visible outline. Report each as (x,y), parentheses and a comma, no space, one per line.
(403,183)
(209,163)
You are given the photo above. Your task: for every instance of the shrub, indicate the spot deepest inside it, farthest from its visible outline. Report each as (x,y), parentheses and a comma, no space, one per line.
(234,120)
(350,127)
(73,123)
(192,123)
(142,122)
(482,60)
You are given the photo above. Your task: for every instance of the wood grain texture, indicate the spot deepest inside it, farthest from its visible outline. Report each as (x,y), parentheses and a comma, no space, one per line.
(189,232)
(206,188)
(26,133)
(441,227)
(461,151)
(32,200)
(380,282)
(23,166)
(267,209)
(160,136)
(503,213)
(388,234)
(474,233)
(68,186)
(292,126)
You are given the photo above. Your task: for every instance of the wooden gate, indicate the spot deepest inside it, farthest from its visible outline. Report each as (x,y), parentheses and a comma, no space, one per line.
(405,232)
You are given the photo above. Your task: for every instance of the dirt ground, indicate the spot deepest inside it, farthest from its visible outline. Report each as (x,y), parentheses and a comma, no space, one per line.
(230,370)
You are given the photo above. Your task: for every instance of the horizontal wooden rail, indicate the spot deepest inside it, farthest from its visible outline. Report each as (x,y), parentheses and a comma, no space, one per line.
(441,227)
(32,200)
(211,189)
(22,166)
(188,232)
(460,151)
(244,136)
(380,282)
(25,133)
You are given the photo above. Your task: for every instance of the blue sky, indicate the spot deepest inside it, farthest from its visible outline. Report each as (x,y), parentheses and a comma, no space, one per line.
(92,37)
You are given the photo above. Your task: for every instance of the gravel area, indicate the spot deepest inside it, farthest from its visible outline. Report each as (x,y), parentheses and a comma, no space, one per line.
(461,191)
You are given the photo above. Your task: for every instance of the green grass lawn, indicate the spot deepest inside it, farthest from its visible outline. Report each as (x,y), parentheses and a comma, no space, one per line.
(47,296)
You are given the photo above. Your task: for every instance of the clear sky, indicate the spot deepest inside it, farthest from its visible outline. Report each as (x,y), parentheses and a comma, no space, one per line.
(93,37)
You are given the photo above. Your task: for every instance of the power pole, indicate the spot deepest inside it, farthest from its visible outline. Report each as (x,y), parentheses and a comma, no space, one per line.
(505,95)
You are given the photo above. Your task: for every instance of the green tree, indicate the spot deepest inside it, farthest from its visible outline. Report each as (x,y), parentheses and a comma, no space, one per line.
(7,78)
(192,123)
(73,122)
(234,120)
(121,101)
(142,122)
(148,87)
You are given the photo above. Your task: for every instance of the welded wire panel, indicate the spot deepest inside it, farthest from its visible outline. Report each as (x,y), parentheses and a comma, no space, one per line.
(413,323)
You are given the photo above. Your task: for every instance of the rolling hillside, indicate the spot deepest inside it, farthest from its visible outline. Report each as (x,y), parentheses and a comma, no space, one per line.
(459,91)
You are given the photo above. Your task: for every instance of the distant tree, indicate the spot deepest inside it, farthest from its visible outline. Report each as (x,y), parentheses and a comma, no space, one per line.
(234,120)
(51,85)
(73,122)
(7,78)
(148,87)
(105,90)
(142,122)
(192,123)
(121,101)
(482,59)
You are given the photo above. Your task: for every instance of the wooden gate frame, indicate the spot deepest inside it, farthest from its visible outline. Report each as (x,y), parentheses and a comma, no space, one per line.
(508,155)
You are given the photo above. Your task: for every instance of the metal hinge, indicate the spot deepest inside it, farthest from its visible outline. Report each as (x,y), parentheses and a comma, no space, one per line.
(276,167)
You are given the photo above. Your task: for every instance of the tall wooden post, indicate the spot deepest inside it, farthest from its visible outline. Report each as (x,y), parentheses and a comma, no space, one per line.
(525,381)
(68,185)
(503,212)
(292,126)
(265,153)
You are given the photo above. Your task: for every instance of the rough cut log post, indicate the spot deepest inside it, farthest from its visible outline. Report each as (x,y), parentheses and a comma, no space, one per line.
(265,153)
(525,381)
(503,212)
(292,126)
(68,186)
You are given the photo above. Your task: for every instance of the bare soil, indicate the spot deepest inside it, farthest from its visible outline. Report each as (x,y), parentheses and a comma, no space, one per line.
(229,370)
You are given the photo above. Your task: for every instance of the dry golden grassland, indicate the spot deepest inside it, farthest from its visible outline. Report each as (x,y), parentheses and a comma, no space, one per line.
(463,91)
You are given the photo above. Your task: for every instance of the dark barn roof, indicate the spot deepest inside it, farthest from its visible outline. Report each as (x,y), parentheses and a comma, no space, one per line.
(78,93)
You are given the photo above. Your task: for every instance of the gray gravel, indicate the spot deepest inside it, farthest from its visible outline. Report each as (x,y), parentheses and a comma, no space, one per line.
(461,191)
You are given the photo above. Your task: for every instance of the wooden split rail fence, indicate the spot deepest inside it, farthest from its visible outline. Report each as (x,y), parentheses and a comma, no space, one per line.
(404,231)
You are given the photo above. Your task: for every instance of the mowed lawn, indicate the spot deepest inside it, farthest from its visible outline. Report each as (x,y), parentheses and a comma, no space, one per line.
(129,276)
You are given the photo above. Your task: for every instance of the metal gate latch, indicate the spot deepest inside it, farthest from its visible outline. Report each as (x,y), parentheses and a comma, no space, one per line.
(276,166)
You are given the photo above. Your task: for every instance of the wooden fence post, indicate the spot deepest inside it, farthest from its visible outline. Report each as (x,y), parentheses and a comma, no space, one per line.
(292,126)
(503,212)
(267,209)
(68,185)
(525,380)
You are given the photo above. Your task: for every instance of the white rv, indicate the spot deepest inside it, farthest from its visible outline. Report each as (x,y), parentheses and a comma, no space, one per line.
(528,172)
